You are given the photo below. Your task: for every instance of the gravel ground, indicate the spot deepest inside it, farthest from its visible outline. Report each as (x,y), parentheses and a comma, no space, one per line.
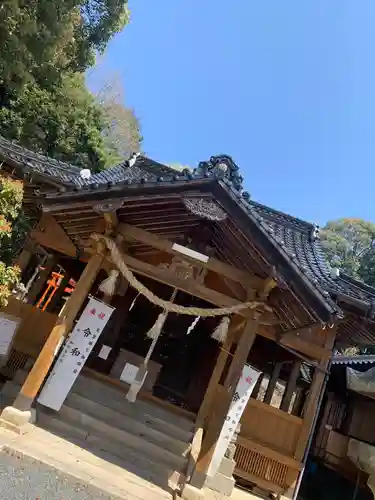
(28,479)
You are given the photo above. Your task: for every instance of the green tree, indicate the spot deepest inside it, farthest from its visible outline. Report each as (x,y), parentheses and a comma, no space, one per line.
(39,39)
(11,194)
(65,123)
(349,245)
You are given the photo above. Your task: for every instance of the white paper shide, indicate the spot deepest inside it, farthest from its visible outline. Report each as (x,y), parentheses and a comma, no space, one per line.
(74,354)
(245,387)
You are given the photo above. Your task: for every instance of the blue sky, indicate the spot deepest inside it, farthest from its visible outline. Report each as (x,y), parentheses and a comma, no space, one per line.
(287,88)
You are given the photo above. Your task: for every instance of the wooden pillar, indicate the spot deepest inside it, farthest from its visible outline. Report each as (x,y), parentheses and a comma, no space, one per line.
(220,410)
(24,257)
(41,280)
(217,372)
(291,386)
(64,323)
(272,383)
(313,397)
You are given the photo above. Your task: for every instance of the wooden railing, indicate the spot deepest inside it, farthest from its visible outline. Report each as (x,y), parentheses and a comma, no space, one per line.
(266,446)
(265,467)
(270,426)
(34,329)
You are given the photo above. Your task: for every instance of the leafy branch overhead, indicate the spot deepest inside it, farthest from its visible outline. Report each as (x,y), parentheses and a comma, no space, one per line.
(45,48)
(349,244)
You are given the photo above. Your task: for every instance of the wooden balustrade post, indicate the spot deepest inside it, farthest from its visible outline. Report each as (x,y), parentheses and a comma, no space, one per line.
(272,383)
(291,386)
(16,416)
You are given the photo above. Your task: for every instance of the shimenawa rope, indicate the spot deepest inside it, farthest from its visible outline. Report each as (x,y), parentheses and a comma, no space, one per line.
(164,304)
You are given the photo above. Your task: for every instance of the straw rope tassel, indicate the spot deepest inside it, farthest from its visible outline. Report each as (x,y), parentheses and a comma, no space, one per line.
(154,334)
(221,331)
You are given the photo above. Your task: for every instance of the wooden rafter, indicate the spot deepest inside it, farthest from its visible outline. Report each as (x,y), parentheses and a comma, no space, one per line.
(50,234)
(137,234)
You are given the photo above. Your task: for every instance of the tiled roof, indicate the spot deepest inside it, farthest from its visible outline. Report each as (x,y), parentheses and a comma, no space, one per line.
(354,360)
(297,238)
(301,241)
(37,163)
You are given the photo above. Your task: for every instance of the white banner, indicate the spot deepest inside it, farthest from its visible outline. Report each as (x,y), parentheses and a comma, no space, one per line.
(245,386)
(74,354)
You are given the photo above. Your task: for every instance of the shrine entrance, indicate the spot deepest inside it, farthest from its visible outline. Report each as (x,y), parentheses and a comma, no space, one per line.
(184,355)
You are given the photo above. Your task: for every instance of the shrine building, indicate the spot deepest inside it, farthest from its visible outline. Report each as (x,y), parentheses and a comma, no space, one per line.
(217,305)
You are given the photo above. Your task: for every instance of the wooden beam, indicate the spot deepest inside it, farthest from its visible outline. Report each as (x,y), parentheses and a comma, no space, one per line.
(189,286)
(50,234)
(215,265)
(63,325)
(311,350)
(312,400)
(301,332)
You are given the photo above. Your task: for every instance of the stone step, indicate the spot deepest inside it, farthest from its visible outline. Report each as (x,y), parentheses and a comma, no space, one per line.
(102,392)
(175,425)
(86,437)
(119,455)
(119,437)
(120,405)
(141,427)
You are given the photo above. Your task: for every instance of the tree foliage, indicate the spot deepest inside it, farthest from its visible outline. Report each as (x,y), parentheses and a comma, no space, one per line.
(64,123)
(45,47)
(11,194)
(350,245)
(39,39)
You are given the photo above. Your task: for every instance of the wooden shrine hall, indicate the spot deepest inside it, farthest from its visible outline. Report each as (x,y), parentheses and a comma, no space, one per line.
(222,282)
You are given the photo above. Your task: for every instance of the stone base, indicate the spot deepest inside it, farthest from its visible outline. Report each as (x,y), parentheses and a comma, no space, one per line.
(221,484)
(16,420)
(192,493)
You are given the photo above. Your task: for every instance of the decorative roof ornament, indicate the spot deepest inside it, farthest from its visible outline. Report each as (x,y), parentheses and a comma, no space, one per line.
(222,167)
(133,159)
(85,174)
(205,208)
(335,272)
(314,235)
(110,206)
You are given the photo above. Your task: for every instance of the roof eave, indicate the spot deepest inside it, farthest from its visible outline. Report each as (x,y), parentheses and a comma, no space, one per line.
(324,307)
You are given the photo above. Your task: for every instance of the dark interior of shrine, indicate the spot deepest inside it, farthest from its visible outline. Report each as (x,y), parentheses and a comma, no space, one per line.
(186,359)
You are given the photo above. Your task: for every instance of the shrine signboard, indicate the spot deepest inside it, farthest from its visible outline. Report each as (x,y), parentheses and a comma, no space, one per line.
(74,353)
(245,387)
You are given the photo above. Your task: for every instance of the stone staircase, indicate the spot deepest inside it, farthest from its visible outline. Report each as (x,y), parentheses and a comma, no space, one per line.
(143,437)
